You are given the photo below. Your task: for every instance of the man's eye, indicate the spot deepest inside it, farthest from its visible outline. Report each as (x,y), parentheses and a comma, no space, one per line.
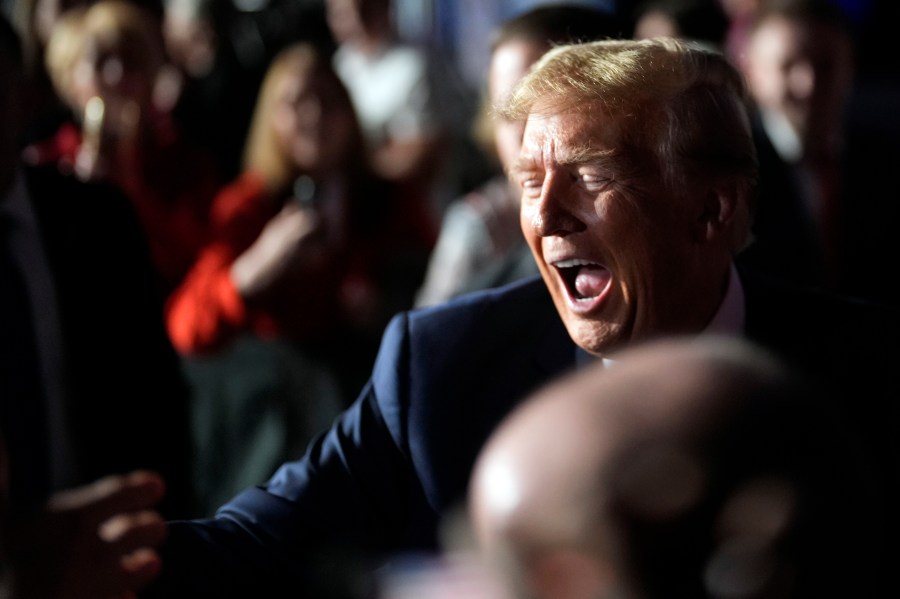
(530,185)
(594,181)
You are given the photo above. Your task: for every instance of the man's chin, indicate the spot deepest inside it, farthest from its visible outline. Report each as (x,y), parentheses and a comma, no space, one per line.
(597,338)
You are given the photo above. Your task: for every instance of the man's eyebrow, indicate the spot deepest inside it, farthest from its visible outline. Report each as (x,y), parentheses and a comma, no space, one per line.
(522,166)
(586,154)
(572,157)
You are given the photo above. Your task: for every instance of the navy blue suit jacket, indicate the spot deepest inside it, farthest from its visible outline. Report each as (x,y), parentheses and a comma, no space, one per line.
(379,480)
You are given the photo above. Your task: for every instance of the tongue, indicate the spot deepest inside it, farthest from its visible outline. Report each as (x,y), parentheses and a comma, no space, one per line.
(591,280)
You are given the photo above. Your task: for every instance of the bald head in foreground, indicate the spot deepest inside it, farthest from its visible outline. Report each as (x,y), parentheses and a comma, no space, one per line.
(691,468)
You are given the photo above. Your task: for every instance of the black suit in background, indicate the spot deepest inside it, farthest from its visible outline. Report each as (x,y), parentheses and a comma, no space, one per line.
(126,401)
(789,244)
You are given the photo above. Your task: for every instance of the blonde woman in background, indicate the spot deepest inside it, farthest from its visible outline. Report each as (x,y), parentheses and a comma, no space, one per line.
(279,317)
(108,64)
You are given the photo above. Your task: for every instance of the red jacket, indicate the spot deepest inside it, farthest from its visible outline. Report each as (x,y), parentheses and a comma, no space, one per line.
(357,286)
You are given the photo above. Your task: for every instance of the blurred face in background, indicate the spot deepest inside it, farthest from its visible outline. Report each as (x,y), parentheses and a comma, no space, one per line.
(190,37)
(111,92)
(738,9)
(47,13)
(113,72)
(313,119)
(800,70)
(655,23)
(344,19)
(509,63)
(107,61)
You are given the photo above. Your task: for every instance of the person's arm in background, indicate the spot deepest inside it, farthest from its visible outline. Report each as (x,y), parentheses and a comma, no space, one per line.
(375,483)
(252,249)
(314,526)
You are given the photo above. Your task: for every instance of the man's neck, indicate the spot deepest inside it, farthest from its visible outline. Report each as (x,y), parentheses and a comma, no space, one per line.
(727,320)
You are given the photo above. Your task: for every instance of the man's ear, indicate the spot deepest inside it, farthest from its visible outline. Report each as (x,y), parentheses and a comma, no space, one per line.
(716,215)
(570,574)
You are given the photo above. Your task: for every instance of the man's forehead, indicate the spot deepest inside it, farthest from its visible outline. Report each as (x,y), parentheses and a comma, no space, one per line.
(570,137)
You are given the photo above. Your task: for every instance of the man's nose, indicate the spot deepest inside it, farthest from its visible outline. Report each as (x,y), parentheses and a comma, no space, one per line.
(554,213)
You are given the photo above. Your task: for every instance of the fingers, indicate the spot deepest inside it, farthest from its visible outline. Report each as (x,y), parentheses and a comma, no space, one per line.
(136,571)
(126,559)
(296,222)
(111,495)
(96,541)
(127,532)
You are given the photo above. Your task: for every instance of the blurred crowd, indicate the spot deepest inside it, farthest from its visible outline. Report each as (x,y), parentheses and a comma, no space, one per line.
(300,172)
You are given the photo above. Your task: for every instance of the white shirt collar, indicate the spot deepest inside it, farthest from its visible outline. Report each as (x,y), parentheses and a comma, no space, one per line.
(783,136)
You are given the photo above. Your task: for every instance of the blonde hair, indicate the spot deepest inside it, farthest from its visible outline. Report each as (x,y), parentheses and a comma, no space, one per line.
(541,27)
(124,25)
(684,103)
(262,152)
(63,50)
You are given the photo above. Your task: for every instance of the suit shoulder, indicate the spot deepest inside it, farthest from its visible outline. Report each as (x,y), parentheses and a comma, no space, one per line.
(473,331)
(501,305)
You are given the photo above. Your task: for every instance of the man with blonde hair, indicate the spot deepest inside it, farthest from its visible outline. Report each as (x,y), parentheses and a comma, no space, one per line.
(637,171)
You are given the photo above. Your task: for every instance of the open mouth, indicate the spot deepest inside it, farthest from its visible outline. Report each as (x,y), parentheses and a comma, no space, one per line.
(585,280)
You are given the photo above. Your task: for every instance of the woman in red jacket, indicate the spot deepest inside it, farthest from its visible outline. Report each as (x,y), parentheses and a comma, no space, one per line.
(307,245)
(309,254)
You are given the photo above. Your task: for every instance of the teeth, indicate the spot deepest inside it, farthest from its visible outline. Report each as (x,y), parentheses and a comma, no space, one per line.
(573,262)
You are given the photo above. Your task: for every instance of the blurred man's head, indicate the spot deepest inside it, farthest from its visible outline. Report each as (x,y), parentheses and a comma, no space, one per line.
(359,21)
(190,30)
(693,467)
(519,42)
(799,66)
